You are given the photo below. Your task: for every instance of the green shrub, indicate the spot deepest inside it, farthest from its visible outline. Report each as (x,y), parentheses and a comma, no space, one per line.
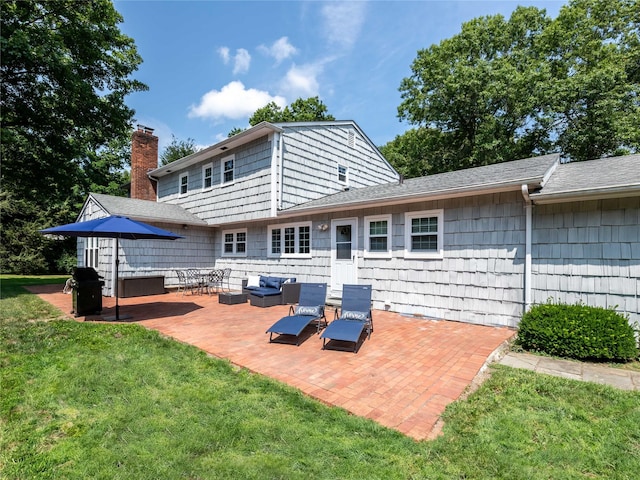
(577,331)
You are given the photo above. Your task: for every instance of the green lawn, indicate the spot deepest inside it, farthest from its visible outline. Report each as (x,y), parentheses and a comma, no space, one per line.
(116,401)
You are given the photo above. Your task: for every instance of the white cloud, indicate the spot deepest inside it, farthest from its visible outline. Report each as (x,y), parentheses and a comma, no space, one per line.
(281,49)
(241,61)
(233,101)
(301,81)
(343,22)
(224,54)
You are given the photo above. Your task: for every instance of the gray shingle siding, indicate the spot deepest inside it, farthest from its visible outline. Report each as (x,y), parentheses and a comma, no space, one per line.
(588,252)
(247,198)
(311,158)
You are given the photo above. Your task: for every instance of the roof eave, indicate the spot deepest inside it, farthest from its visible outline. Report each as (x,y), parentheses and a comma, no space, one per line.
(415,198)
(257,131)
(586,194)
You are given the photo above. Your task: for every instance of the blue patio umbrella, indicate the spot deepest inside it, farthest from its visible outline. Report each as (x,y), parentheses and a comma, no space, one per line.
(114,226)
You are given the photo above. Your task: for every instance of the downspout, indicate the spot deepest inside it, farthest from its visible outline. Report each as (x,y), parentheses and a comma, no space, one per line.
(275,189)
(527,241)
(281,157)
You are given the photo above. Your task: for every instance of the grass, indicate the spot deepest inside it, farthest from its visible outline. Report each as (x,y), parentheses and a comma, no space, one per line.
(117,401)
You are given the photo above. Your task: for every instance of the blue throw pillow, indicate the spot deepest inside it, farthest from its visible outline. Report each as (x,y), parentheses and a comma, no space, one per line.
(263,281)
(307,311)
(272,282)
(349,315)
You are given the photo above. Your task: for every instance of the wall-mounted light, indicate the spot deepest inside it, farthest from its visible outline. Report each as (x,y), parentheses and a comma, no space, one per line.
(185,227)
(323,227)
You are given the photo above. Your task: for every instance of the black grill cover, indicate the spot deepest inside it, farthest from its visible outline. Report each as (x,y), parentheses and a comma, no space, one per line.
(85,274)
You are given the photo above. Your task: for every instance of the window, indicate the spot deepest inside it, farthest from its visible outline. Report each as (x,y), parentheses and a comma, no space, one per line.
(234,243)
(342,174)
(292,240)
(423,234)
(228,169)
(207,176)
(377,236)
(91,252)
(184,184)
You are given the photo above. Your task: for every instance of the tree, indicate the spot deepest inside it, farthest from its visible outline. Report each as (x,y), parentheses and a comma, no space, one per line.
(593,97)
(507,89)
(65,74)
(475,90)
(310,110)
(177,149)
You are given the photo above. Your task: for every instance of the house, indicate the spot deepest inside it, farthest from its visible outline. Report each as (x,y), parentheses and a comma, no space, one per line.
(317,201)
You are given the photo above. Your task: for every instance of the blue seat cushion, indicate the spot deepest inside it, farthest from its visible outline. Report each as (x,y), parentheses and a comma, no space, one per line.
(265,292)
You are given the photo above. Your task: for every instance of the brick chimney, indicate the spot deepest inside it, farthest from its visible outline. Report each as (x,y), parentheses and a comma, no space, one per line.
(144,158)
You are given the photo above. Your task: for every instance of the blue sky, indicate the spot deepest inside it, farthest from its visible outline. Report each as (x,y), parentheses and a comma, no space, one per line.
(210,64)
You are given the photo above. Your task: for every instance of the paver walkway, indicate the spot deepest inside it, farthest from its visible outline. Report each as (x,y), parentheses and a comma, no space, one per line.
(402,377)
(585,371)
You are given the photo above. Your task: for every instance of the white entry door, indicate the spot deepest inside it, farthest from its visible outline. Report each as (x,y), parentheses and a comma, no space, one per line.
(344,254)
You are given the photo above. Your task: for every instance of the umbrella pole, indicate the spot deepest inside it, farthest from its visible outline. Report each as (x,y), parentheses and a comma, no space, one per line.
(116,280)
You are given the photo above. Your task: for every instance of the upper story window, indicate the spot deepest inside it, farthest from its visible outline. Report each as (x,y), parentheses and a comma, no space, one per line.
(207,176)
(184,184)
(228,169)
(234,243)
(342,174)
(377,236)
(291,240)
(423,234)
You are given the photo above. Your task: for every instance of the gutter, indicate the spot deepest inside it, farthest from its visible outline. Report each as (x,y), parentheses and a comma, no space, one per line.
(403,199)
(527,257)
(586,194)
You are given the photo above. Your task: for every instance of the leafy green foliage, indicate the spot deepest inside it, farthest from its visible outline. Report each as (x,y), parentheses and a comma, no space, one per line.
(177,149)
(310,110)
(65,74)
(577,331)
(507,89)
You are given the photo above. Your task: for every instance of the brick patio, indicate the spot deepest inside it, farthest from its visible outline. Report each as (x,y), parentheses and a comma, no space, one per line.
(402,377)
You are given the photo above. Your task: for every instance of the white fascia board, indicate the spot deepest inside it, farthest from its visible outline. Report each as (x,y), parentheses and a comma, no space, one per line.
(586,194)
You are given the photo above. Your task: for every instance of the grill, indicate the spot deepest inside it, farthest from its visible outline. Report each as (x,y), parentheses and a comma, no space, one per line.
(87,292)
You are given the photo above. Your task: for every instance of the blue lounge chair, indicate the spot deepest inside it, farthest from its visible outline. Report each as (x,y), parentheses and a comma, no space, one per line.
(310,309)
(355,316)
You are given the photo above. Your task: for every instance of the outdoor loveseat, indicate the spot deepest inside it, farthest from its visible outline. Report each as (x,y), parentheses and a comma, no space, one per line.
(266,291)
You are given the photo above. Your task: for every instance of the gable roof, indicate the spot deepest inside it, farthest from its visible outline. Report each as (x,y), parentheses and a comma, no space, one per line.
(250,134)
(500,177)
(602,178)
(144,210)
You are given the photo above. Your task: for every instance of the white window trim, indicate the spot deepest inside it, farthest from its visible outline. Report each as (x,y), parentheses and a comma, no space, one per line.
(367,221)
(407,233)
(235,244)
(346,174)
(91,252)
(282,226)
(184,175)
(204,169)
(222,162)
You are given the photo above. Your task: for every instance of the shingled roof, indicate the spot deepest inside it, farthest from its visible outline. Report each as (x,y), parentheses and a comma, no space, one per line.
(491,178)
(145,210)
(602,178)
